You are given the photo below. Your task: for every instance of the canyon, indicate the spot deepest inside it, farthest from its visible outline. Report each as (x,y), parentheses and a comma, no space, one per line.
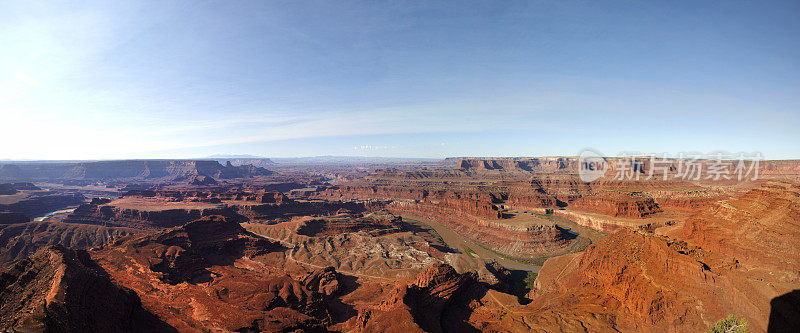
(461,244)
(21,202)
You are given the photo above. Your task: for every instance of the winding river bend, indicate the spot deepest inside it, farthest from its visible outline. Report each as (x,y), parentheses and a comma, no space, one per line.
(465,245)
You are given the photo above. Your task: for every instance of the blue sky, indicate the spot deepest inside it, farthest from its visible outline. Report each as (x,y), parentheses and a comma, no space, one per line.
(401,79)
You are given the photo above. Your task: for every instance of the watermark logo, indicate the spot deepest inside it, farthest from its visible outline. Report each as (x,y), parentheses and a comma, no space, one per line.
(715,166)
(591,165)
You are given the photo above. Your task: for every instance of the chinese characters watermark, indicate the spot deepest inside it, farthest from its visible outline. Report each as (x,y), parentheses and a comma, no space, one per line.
(685,166)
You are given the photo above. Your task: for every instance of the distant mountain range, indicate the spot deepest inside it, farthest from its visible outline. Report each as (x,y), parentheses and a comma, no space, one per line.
(229,156)
(127,169)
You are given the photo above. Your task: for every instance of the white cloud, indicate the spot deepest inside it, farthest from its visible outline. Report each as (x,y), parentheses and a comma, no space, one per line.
(371,147)
(27,79)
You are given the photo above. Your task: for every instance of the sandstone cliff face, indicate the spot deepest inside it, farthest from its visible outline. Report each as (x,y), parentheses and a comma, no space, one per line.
(13,188)
(635,282)
(286,211)
(215,196)
(436,301)
(375,225)
(324,281)
(292,307)
(473,214)
(634,273)
(181,254)
(206,275)
(370,192)
(419,174)
(758,229)
(687,204)
(476,204)
(515,241)
(479,205)
(259,162)
(60,290)
(40,204)
(541,164)
(380,246)
(542,191)
(109,215)
(201,180)
(151,209)
(129,169)
(530,200)
(607,197)
(617,205)
(570,164)
(20,240)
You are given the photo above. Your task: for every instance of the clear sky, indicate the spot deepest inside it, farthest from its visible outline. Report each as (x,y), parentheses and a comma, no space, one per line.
(183,79)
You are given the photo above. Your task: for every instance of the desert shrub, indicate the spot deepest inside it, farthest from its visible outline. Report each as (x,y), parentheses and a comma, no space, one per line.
(732,324)
(529,280)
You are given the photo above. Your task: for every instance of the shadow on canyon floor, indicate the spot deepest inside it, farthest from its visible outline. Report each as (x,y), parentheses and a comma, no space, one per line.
(341,312)
(784,314)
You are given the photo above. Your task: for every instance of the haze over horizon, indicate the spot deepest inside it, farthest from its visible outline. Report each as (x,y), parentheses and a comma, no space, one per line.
(126,80)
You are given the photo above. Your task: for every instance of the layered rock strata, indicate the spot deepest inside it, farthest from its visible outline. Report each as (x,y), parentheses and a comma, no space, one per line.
(61,290)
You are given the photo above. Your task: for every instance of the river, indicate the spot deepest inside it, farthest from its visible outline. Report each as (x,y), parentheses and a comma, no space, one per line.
(63,211)
(468,247)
